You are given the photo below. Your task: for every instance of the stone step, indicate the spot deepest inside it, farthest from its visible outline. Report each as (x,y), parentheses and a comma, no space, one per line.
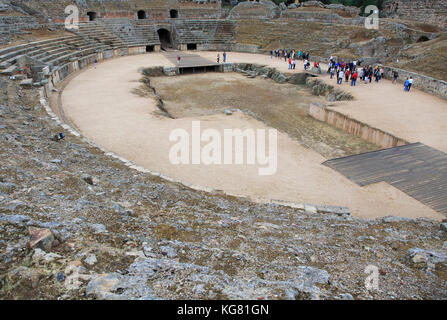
(4,65)
(10,70)
(28,83)
(59,60)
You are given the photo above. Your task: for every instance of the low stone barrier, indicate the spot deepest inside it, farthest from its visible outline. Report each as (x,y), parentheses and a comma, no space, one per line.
(355,127)
(424,83)
(76,64)
(236,47)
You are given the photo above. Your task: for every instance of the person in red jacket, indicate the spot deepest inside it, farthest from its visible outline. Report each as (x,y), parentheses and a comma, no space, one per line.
(347,74)
(353,78)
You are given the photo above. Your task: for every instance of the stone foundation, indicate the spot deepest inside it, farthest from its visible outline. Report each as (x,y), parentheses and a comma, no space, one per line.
(424,11)
(424,83)
(355,127)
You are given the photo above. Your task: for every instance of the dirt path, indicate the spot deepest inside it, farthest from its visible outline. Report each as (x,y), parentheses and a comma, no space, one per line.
(103,105)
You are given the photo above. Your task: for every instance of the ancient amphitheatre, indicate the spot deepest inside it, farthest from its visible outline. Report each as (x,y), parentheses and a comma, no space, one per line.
(361,171)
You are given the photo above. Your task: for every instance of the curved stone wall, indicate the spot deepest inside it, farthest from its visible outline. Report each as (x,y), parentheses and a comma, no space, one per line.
(154,9)
(264,9)
(425,11)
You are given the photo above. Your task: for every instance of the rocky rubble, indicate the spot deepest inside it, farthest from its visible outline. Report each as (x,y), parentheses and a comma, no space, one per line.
(254,70)
(319,88)
(130,235)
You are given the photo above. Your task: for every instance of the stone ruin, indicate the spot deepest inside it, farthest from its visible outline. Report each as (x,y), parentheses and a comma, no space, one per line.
(79,222)
(424,11)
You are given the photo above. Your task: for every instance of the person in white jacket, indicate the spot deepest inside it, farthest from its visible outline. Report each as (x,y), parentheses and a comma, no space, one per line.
(340,77)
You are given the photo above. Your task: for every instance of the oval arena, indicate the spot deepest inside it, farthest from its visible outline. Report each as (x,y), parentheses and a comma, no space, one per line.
(120,150)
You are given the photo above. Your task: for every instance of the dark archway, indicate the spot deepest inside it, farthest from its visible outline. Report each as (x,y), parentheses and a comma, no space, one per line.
(165,38)
(191,46)
(92,16)
(141,14)
(173,14)
(422,39)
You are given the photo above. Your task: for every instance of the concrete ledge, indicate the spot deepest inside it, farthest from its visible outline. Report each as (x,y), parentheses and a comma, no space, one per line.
(355,127)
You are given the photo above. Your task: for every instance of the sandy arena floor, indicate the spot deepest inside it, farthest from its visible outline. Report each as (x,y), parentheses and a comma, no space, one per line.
(284,107)
(103,105)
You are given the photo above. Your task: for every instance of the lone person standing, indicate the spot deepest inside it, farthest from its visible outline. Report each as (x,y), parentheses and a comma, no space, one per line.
(395,76)
(410,83)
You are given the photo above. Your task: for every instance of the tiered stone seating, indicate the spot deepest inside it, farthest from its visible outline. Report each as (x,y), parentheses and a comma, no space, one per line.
(113,33)
(124,29)
(9,56)
(145,29)
(204,31)
(11,24)
(225,32)
(52,52)
(95,30)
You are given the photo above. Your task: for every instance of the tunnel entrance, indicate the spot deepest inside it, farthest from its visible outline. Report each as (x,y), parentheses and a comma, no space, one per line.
(165,38)
(141,15)
(422,39)
(191,46)
(150,48)
(173,14)
(92,16)
(199,69)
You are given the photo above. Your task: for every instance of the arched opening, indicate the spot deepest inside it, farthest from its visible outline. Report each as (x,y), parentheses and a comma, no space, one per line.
(141,15)
(150,48)
(191,46)
(92,16)
(165,38)
(422,39)
(173,14)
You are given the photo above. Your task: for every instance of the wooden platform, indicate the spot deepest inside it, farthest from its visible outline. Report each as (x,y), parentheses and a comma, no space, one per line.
(416,169)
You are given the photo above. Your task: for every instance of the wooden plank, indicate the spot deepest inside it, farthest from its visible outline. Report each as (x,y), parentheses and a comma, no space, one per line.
(416,169)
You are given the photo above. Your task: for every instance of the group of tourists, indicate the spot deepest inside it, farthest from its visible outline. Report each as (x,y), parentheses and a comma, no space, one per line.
(285,53)
(346,70)
(290,56)
(224,55)
(352,71)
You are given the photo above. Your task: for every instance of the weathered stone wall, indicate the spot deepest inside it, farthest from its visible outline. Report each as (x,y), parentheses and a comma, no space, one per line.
(237,47)
(264,9)
(322,16)
(425,11)
(17,23)
(345,11)
(156,9)
(355,127)
(424,83)
(75,65)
